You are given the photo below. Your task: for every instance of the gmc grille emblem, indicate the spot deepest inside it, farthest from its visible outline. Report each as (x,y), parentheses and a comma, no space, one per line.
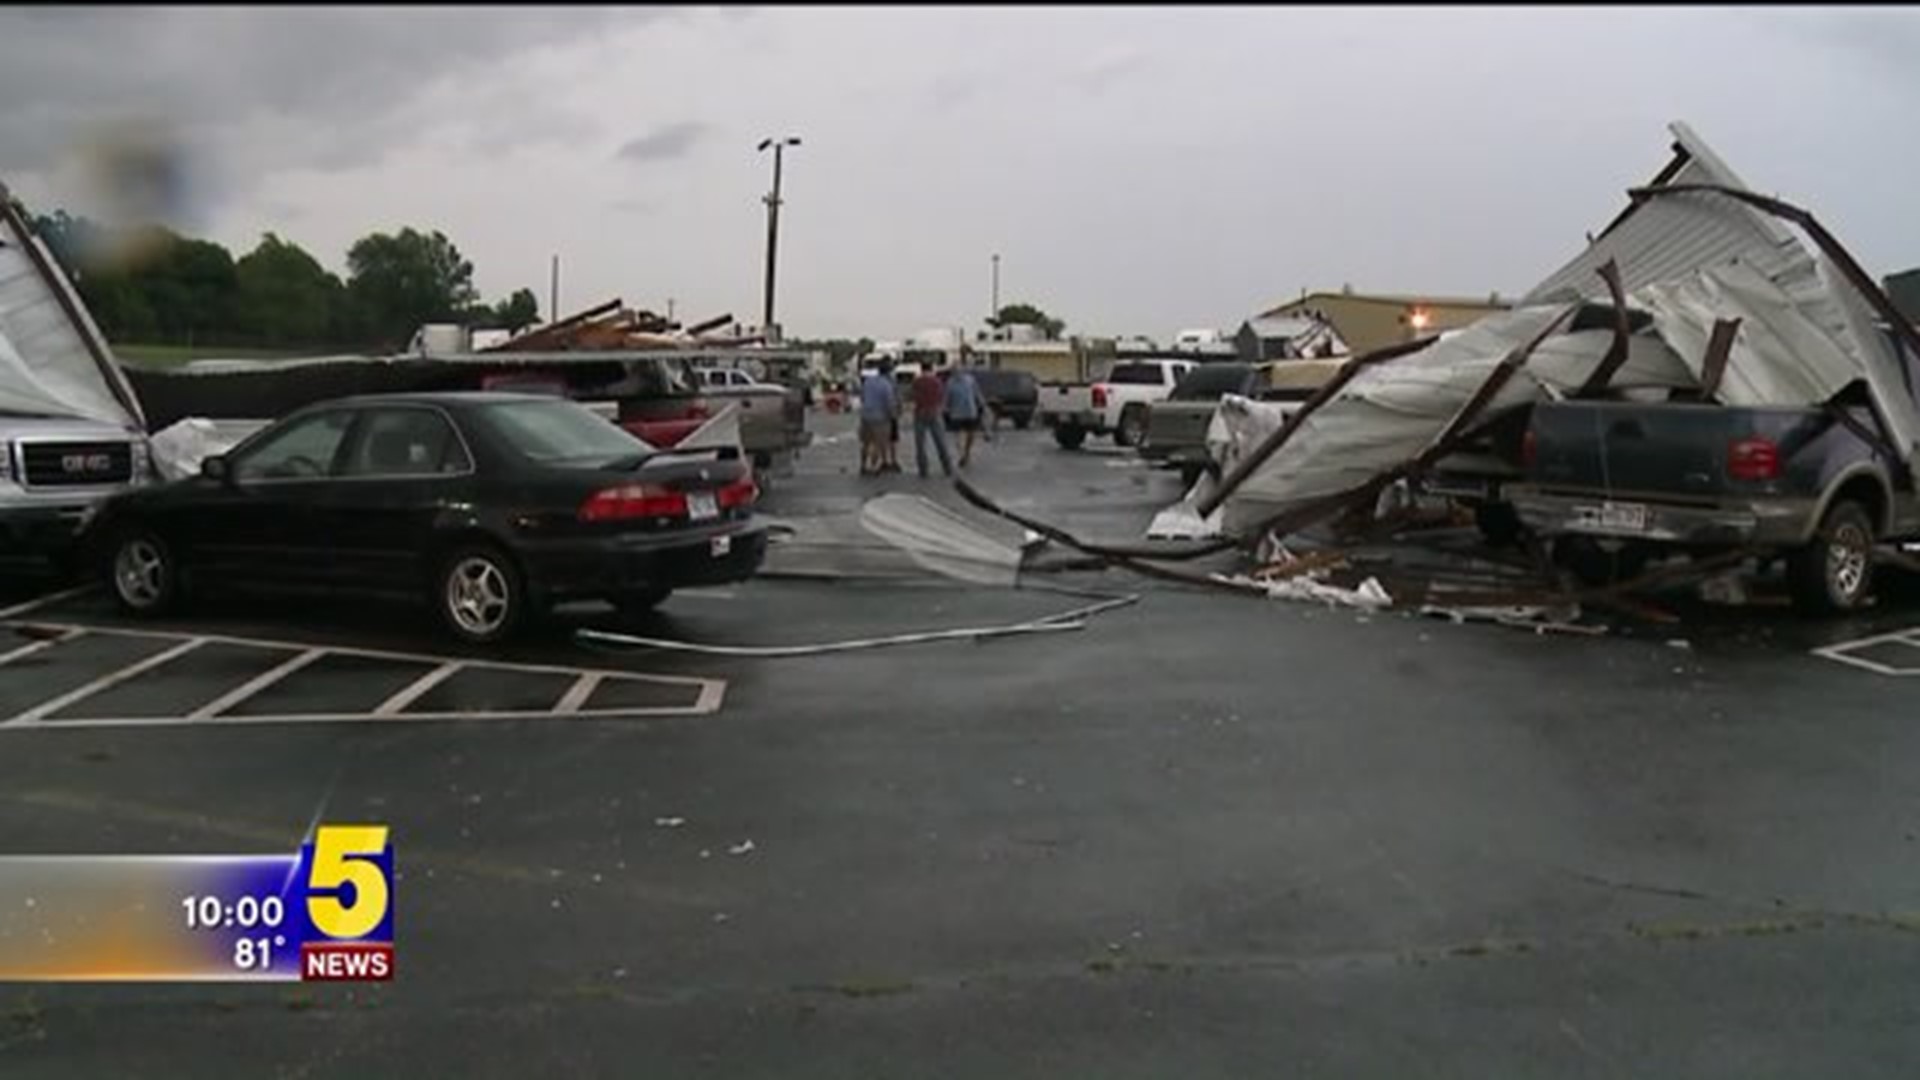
(86,463)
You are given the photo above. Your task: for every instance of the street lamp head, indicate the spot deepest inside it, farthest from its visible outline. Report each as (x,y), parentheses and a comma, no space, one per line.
(764,143)
(791,140)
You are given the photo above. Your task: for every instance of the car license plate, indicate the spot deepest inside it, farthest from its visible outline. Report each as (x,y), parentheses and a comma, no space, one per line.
(701,505)
(722,546)
(1617,517)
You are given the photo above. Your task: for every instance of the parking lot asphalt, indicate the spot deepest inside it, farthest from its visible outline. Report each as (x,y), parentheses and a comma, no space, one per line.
(1202,836)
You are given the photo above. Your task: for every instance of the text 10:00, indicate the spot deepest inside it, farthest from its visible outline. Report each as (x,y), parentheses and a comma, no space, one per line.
(208,913)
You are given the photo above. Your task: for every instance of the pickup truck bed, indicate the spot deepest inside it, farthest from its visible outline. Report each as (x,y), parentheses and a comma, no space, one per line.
(1176,428)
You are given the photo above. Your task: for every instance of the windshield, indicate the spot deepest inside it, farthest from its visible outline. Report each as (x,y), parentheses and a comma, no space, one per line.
(561,432)
(1208,382)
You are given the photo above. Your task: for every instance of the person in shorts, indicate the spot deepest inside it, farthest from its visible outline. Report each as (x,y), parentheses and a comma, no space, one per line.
(877,404)
(966,405)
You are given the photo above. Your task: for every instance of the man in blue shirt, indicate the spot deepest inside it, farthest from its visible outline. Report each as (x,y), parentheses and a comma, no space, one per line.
(965,406)
(878,403)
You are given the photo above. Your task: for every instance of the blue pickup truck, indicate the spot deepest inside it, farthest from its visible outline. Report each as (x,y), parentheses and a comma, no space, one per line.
(1614,482)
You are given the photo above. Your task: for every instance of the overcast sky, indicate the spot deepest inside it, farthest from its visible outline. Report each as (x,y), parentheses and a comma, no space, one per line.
(1138,169)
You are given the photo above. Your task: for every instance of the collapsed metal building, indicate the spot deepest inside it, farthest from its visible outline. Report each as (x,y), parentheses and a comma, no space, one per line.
(1699,288)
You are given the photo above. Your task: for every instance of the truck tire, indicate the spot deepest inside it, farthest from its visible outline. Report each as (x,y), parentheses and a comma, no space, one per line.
(1133,424)
(1069,436)
(1594,566)
(1834,572)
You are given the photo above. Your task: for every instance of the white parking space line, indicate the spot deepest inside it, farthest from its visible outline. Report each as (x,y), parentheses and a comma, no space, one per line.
(44,643)
(418,688)
(707,694)
(48,708)
(1845,651)
(254,685)
(577,694)
(710,695)
(18,610)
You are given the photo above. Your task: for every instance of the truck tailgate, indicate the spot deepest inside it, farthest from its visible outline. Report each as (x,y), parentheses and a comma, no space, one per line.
(1667,449)
(1066,399)
(1178,424)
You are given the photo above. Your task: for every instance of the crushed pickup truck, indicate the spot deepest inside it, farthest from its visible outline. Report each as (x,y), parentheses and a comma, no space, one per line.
(1725,357)
(1615,482)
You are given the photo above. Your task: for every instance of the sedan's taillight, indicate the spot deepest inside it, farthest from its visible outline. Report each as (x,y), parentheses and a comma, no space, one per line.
(629,501)
(1753,459)
(741,492)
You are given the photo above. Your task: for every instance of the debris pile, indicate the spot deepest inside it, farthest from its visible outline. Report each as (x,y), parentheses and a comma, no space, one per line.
(1643,310)
(1698,292)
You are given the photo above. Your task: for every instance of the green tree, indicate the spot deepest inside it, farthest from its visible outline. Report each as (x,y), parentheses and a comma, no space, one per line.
(192,289)
(400,281)
(1028,315)
(285,296)
(517,312)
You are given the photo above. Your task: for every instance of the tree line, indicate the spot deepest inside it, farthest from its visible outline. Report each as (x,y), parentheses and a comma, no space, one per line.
(153,286)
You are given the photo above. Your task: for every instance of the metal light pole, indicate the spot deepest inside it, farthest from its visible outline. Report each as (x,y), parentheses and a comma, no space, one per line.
(994,311)
(767,327)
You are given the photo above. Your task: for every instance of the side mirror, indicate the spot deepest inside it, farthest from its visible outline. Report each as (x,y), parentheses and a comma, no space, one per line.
(214,467)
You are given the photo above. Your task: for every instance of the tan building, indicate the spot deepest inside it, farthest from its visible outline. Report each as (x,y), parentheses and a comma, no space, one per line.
(1047,361)
(1369,321)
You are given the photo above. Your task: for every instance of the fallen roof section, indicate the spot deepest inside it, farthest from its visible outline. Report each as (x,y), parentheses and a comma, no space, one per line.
(53,359)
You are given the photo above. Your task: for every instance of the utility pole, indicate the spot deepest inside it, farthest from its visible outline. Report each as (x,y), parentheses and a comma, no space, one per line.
(993,311)
(669,309)
(767,326)
(553,292)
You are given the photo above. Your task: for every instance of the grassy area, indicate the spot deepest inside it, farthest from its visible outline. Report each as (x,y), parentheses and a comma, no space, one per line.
(166,355)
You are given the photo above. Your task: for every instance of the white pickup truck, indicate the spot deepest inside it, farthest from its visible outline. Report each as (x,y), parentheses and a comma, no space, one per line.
(1115,405)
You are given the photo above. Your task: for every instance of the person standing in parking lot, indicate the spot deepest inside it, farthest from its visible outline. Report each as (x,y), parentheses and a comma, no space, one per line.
(965,407)
(877,406)
(929,409)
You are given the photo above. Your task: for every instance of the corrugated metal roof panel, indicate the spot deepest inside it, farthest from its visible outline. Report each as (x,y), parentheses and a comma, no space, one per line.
(1660,239)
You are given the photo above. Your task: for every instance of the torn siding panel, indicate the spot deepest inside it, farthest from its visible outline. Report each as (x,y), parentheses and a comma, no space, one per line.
(1887,374)
(52,363)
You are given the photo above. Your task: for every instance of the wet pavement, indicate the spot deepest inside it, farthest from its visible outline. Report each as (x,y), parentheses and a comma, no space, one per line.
(1202,836)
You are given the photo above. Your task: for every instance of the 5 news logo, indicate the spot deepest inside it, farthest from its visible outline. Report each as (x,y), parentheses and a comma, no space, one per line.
(346,877)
